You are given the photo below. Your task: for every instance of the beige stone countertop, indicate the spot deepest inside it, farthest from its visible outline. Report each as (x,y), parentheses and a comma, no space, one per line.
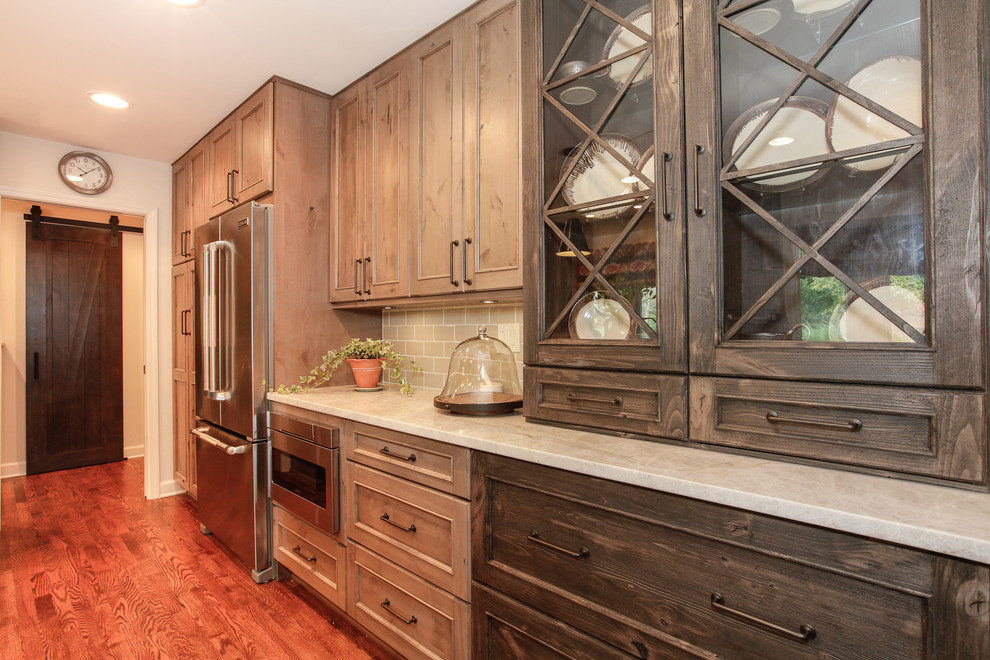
(946,520)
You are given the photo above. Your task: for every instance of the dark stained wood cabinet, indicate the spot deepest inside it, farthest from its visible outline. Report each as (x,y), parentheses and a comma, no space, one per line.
(651,574)
(788,218)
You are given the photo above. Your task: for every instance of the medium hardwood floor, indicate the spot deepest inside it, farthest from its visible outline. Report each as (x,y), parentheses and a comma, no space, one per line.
(91,569)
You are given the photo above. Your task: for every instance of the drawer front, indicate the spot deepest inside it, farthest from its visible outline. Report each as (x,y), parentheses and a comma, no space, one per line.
(424,531)
(913,432)
(645,404)
(313,557)
(407,613)
(428,462)
(727,599)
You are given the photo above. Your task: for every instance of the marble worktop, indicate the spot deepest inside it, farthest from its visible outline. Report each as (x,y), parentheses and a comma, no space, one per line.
(946,520)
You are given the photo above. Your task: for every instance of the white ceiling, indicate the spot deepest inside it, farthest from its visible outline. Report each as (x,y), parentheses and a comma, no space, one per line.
(183,70)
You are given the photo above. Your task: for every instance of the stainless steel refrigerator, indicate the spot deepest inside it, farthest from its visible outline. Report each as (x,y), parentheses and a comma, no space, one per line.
(232,451)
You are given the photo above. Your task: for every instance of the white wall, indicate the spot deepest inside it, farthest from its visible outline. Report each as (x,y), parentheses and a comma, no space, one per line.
(140,187)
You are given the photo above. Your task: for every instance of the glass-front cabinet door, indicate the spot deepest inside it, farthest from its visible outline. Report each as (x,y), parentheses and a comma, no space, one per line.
(610,231)
(833,186)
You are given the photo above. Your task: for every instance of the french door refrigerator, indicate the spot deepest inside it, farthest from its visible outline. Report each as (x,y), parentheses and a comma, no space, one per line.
(232,450)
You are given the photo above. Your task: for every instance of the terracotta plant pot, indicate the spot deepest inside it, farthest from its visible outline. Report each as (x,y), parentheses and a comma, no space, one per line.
(367,372)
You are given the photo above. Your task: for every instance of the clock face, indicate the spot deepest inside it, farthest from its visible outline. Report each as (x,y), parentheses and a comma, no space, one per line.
(85,172)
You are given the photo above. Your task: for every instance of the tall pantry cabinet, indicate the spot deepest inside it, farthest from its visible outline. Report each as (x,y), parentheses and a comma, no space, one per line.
(765,219)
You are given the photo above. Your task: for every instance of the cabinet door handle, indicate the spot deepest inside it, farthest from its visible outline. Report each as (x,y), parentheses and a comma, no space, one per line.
(364,275)
(387,606)
(298,551)
(384,450)
(617,401)
(453,245)
(534,537)
(699,210)
(805,632)
(384,516)
(357,287)
(182,322)
(231,187)
(852,425)
(663,185)
(37,365)
(467,241)
(182,244)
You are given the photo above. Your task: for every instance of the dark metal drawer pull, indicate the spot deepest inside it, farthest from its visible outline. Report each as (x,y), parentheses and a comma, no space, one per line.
(852,425)
(388,608)
(534,536)
(805,633)
(411,457)
(298,551)
(384,516)
(617,401)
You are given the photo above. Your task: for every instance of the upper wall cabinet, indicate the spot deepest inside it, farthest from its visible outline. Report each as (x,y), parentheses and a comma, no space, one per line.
(465,193)
(241,153)
(189,184)
(369,185)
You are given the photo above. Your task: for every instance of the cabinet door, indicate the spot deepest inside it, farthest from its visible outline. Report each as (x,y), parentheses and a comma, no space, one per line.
(254,141)
(347,194)
(181,218)
(608,253)
(436,171)
(221,167)
(387,162)
(182,330)
(492,181)
(832,169)
(198,187)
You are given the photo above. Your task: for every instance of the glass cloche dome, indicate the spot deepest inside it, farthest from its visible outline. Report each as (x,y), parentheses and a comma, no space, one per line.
(482,378)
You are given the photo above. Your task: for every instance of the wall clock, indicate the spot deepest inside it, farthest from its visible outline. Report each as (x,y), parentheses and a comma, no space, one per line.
(85,172)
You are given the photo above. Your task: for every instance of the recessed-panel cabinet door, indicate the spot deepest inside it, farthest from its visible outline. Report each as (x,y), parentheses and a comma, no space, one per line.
(255,140)
(833,219)
(347,181)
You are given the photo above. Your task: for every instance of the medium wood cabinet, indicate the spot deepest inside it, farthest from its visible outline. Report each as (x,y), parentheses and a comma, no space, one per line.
(807,183)
(189,196)
(466,184)
(241,153)
(657,575)
(369,187)
(183,378)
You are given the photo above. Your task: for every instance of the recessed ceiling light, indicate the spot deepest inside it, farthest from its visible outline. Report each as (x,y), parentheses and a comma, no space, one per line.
(107,99)
(185,3)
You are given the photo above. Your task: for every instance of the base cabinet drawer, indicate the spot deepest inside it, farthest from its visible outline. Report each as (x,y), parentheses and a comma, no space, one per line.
(313,557)
(908,431)
(409,614)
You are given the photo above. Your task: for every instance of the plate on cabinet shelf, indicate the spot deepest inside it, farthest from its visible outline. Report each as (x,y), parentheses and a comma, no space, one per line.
(648,166)
(818,6)
(893,82)
(623,40)
(599,316)
(796,131)
(597,175)
(855,320)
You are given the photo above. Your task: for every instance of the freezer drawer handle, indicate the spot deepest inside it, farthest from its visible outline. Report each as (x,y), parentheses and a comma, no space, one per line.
(384,516)
(384,450)
(206,437)
(387,606)
(534,536)
(298,551)
(805,634)
(853,425)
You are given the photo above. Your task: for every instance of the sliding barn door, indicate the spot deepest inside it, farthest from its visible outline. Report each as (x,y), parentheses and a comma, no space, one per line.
(74,359)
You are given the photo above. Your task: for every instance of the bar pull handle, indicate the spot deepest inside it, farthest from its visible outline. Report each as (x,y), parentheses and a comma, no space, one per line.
(230,186)
(453,245)
(298,550)
(617,401)
(534,537)
(364,275)
(357,286)
(385,517)
(667,214)
(388,608)
(182,244)
(37,365)
(385,450)
(853,425)
(182,322)
(467,241)
(203,433)
(699,210)
(804,635)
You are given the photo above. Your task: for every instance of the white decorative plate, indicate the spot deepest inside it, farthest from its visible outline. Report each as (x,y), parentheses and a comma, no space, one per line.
(858,321)
(895,83)
(816,6)
(598,316)
(622,40)
(796,131)
(759,20)
(598,175)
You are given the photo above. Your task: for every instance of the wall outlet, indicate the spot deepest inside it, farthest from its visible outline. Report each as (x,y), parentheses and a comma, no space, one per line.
(509,333)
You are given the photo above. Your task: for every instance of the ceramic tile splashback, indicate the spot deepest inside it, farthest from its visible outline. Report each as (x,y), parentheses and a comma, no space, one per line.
(430,335)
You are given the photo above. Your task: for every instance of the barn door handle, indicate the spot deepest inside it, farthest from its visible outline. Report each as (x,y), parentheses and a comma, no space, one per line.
(37,362)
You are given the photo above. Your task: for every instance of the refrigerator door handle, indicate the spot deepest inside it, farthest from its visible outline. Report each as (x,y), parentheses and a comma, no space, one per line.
(203,433)
(224,328)
(216,324)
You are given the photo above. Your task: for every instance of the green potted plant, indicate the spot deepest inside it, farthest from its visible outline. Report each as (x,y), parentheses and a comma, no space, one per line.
(367,359)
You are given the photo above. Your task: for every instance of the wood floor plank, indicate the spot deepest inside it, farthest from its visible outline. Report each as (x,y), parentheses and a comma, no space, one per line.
(91,569)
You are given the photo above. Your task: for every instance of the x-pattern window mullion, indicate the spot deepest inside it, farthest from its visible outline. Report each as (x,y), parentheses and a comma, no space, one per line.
(567,44)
